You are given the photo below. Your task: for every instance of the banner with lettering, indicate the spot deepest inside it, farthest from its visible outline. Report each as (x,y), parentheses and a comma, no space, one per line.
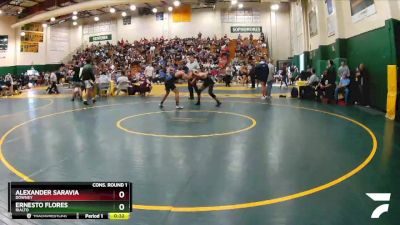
(32,36)
(107,37)
(32,47)
(246,29)
(33,27)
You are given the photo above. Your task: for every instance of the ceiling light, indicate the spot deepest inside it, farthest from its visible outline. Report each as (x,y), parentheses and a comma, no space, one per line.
(52,19)
(177,3)
(112,10)
(96,18)
(274,7)
(234,2)
(74,17)
(170,8)
(75,13)
(154,10)
(133,7)
(240,5)
(22,34)
(75,23)
(123,14)
(44,25)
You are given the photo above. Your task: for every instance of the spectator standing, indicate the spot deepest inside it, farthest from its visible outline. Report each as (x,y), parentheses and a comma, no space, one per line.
(262,72)
(284,75)
(88,80)
(270,79)
(76,81)
(191,65)
(361,93)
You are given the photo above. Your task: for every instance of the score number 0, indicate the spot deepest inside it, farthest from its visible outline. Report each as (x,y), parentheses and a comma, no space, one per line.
(121,195)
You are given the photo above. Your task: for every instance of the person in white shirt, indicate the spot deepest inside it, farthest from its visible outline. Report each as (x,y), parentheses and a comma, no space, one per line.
(270,79)
(149,71)
(122,79)
(122,83)
(46,78)
(308,91)
(53,84)
(9,83)
(313,78)
(104,78)
(191,65)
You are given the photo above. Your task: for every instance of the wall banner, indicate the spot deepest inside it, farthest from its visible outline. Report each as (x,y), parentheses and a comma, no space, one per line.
(32,36)
(3,42)
(33,27)
(159,16)
(246,29)
(331,25)
(127,20)
(361,9)
(312,22)
(107,37)
(30,47)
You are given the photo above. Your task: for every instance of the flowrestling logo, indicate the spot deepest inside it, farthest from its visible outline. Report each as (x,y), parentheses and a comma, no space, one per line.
(379,197)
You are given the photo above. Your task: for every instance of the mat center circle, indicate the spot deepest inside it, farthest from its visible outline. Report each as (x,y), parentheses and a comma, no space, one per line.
(186,123)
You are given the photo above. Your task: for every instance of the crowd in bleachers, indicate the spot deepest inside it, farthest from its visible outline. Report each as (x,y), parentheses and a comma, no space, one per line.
(134,66)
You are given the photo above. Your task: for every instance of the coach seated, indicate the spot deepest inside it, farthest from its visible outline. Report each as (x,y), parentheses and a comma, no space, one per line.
(343,87)
(326,87)
(123,83)
(308,91)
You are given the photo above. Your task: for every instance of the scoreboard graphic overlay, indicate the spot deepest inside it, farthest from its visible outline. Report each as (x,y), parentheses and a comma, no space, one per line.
(70,200)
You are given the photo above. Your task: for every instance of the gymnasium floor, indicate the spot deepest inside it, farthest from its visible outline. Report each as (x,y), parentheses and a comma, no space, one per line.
(278,162)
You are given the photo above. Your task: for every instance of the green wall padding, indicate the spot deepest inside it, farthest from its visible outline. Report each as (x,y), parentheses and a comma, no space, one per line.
(376,49)
(373,49)
(22,69)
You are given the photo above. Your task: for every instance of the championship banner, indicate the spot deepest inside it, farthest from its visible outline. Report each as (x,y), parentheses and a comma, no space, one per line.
(33,27)
(30,47)
(182,13)
(32,36)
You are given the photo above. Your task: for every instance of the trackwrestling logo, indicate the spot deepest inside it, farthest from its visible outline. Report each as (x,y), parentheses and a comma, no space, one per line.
(379,197)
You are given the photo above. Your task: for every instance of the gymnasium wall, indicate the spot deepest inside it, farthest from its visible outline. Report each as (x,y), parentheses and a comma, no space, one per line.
(58,42)
(62,40)
(209,23)
(7,57)
(370,41)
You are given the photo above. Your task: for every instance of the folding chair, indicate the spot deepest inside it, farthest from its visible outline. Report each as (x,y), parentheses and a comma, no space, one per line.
(123,86)
(103,89)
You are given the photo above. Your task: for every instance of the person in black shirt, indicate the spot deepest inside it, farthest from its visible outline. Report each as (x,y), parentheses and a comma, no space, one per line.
(326,88)
(361,80)
(208,82)
(170,78)
(261,72)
